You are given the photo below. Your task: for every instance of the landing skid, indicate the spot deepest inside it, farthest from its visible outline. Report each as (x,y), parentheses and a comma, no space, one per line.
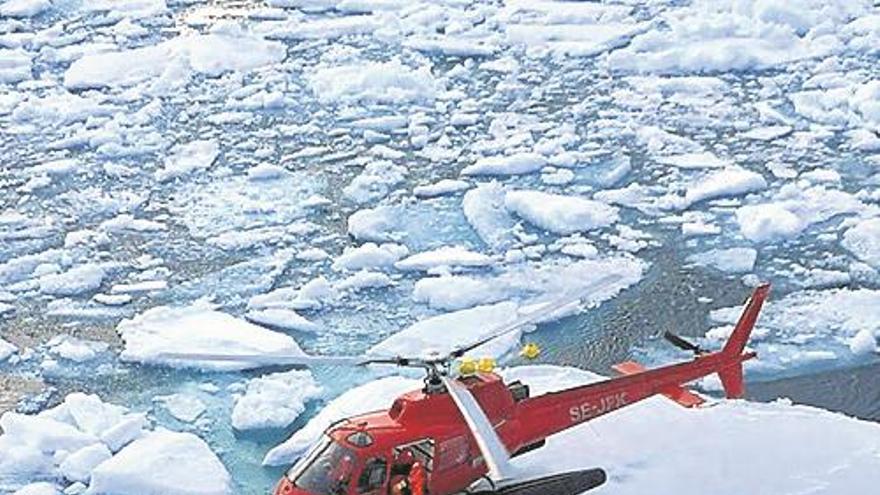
(573,483)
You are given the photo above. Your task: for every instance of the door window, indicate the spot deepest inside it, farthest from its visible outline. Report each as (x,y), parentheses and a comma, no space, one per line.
(373,476)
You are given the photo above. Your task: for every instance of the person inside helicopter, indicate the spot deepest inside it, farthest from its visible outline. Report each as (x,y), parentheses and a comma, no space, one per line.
(408,475)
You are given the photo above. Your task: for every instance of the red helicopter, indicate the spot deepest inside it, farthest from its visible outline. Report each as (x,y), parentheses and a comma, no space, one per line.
(461,431)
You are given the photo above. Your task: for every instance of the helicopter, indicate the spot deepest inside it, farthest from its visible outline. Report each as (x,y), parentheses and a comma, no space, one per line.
(465,425)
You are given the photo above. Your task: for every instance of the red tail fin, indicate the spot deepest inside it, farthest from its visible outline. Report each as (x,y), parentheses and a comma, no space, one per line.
(732,376)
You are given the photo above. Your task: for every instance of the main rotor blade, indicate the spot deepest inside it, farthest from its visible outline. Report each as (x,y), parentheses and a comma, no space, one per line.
(493,450)
(681,343)
(277,359)
(534,316)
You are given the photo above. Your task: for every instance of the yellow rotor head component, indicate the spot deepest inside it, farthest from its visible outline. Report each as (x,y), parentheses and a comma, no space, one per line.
(530,351)
(467,367)
(486,365)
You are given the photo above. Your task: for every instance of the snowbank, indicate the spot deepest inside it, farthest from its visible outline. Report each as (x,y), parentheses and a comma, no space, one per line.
(197,328)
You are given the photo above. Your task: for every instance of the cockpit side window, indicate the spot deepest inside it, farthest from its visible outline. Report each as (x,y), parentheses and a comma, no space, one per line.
(373,476)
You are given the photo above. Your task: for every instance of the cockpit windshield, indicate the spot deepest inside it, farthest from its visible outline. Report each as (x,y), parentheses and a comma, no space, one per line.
(326,470)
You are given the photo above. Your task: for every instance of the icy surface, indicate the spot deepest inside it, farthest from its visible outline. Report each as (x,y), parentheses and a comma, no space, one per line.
(341,175)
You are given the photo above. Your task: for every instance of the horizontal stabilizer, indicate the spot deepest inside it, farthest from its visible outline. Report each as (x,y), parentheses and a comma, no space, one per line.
(677,394)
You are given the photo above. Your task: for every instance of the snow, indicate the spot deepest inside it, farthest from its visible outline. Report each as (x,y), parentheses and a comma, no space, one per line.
(340,169)
(197,328)
(364,279)
(390,82)
(446,256)
(560,214)
(755,434)
(372,224)
(452,293)
(275,400)
(520,163)
(372,396)
(188,158)
(863,240)
(768,133)
(163,462)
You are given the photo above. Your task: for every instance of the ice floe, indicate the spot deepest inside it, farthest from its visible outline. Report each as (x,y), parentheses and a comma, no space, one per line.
(863,240)
(198,328)
(560,214)
(160,462)
(274,400)
(170,64)
(385,82)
